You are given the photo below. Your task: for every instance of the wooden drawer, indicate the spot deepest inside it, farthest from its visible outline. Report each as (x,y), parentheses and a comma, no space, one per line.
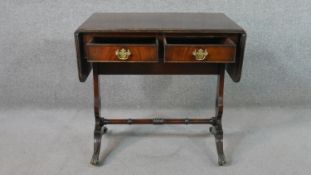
(103,49)
(199,49)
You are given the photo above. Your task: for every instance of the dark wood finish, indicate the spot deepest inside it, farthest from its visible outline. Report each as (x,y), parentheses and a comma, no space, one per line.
(84,67)
(159,24)
(105,51)
(158,69)
(235,69)
(222,52)
(98,131)
(160,121)
(216,130)
(160,43)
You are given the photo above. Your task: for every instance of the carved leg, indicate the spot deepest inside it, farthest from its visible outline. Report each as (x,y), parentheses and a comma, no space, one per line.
(218,133)
(99,128)
(98,132)
(216,129)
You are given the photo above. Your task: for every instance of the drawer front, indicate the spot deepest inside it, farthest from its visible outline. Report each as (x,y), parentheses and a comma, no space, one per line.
(218,51)
(119,52)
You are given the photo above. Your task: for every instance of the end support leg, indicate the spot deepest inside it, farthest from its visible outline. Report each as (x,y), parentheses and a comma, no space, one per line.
(218,133)
(216,129)
(100,129)
(98,132)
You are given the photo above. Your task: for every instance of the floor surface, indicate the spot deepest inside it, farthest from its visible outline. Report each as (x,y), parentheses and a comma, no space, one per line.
(256,141)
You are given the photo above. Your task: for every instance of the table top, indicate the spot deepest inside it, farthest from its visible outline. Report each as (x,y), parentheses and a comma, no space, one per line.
(182,24)
(160,22)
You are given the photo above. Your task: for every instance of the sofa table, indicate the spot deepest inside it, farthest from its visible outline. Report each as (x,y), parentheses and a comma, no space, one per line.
(160,43)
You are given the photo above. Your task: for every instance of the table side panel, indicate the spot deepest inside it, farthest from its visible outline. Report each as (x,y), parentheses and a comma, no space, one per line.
(84,67)
(235,69)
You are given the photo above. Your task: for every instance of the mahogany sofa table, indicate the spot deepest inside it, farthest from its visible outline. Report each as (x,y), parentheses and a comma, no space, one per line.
(160,43)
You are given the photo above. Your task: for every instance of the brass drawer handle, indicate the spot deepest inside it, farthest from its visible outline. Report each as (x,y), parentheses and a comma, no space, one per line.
(123,54)
(200,54)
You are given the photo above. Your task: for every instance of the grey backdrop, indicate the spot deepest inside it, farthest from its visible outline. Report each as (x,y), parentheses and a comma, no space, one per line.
(266,119)
(38,65)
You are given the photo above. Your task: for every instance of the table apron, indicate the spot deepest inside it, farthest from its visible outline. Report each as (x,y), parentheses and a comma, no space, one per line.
(157,68)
